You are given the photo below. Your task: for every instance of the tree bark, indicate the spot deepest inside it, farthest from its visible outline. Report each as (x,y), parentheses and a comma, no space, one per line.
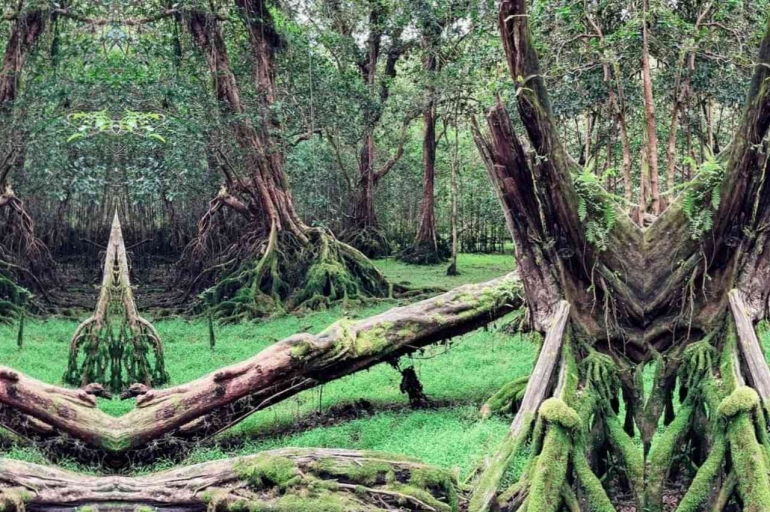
(202,408)
(650,129)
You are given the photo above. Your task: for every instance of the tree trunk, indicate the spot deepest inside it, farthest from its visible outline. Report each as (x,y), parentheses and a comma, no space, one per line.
(425,250)
(650,129)
(630,308)
(287,479)
(200,409)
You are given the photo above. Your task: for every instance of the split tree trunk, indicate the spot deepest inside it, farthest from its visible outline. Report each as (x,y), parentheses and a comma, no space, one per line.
(202,408)
(630,308)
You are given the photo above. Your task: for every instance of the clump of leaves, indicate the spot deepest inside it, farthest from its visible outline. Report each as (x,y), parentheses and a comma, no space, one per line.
(595,207)
(702,198)
(101,122)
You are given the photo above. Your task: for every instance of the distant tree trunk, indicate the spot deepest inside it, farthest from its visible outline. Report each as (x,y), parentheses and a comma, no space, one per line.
(455,163)
(425,250)
(650,130)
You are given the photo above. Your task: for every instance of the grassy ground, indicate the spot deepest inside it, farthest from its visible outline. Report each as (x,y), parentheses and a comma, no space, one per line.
(365,410)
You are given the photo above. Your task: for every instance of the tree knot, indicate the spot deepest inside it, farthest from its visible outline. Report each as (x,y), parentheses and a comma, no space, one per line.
(555,410)
(743,399)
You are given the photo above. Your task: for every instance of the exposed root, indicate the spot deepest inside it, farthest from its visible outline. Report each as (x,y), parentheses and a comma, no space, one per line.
(425,254)
(288,275)
(507,399)
(370,241)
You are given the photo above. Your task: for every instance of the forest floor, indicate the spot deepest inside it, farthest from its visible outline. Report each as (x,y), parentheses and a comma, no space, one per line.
(362,411)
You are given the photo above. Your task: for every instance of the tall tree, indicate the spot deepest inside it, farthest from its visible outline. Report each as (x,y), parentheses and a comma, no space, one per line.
(280,261)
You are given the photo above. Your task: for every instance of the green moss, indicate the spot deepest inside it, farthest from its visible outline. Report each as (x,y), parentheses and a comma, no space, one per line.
(749,463)
(701,487)
(743,399)
(551,471)
(268,471)
(595,493)
(630,453)
(555,410)
(662,454)
(503,400)
(140,508)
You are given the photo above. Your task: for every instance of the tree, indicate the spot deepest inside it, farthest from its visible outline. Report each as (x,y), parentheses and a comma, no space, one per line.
(608,328)
(280,259)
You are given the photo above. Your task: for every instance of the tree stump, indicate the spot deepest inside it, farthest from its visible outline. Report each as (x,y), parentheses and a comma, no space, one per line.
(116,347)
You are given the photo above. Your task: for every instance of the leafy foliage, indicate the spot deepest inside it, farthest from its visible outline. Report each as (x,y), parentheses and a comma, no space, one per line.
(595,207)
(702,195)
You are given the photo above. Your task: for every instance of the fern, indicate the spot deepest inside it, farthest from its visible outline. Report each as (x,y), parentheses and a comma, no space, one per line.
(595,207)
(703,196)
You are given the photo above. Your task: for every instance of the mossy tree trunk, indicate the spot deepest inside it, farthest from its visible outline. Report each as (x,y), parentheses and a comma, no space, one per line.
(280,262)
(288,479)
(631,308)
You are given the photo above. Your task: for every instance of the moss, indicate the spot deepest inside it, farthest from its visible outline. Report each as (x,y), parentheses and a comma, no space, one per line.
(555,410)
(142,508)
(662,454)
(503,400)
(749,464)
(551,471)
(365,471)
(268,471)
(701,487)
(743,399)
(595,493)
(630,453)
(436,479)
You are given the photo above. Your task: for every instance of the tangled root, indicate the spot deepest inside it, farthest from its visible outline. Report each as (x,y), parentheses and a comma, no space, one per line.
(289,275)
(133,354)
(370,241)
(425,254)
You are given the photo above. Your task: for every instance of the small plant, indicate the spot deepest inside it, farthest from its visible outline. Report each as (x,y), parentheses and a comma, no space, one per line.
(702,196)
(595,207)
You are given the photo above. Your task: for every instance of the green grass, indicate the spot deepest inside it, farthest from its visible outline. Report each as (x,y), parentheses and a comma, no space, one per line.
(458,377)
(474,268)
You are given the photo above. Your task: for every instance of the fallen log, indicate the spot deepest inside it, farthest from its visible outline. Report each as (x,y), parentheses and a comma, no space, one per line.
(287,479)
(204,407)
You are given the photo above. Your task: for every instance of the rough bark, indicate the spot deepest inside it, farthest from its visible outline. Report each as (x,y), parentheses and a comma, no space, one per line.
(288,479)
(204,407)
(650,128)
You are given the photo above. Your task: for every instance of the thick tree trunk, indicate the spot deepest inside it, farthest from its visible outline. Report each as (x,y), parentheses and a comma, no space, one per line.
(202,408)
(629,308)
(288,479)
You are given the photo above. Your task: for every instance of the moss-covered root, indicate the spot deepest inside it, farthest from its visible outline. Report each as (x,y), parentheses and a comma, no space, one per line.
(630,456)
(662,453)
(748,455)
(289,275)
(551,470)
(506,400)
(486,488)
(370,482)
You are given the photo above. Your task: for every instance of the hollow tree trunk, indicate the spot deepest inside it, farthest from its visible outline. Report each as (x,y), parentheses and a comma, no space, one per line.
(212,403)
(287,479)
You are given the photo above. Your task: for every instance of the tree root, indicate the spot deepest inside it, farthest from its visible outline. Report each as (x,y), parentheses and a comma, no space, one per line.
(425,254)
(370,241)
(290,276)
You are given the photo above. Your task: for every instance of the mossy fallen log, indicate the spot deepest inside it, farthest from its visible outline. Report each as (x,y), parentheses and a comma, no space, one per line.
(204,407)
(287,480)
